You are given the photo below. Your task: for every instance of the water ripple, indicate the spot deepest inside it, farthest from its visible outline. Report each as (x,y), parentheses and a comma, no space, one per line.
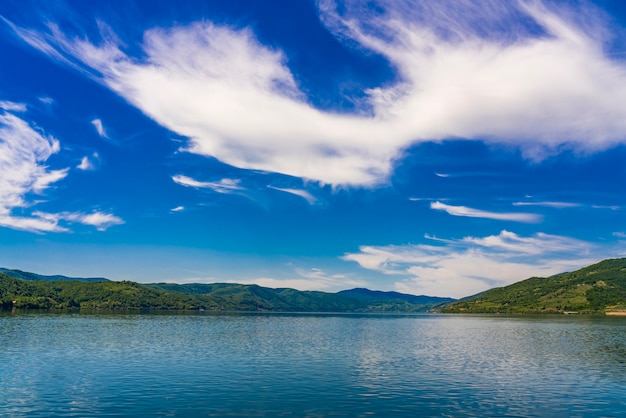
(75,365)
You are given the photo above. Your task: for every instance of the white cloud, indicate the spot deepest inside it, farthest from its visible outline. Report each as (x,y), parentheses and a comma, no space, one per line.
(177,209)
(12,106)
(222,186)
(46,100)
(612,207)
(298,192)
(97,123)
(36,224)
(85,164)
(556,205)
(312,279)
(476,213)
(459,268)
(24,151)
(620,235)
(465,70)
(100,220)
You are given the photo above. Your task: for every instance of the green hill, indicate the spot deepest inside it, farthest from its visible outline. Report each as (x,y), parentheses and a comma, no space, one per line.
(63,294)
(598,288)
(111,295)
(253,297)
(239,297)
(24,275)
(395,300)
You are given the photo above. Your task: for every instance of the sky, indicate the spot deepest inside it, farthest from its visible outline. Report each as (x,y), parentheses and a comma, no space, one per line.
(427,147)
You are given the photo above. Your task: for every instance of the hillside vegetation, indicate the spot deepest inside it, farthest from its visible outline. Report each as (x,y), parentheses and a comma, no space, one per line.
(111,295)
(61,294)
(599,288)
(25,275)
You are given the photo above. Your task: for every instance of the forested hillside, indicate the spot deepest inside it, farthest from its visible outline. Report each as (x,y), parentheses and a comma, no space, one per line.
(111,295)
(598,288)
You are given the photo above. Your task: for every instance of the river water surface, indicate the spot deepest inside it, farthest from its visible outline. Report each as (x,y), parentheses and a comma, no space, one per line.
(269,365)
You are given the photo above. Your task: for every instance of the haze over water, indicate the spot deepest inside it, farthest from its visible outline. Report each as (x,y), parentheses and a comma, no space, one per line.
(311,365)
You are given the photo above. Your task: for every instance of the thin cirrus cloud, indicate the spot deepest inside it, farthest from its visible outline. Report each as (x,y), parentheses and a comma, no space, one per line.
(87,162)
(101,220)
(12,106)
(548,204)
(23,154)
(225,186)
(307,279)
(461,267)
(297,192)
(464,70)
(477,213)
(609,207)
(97,123)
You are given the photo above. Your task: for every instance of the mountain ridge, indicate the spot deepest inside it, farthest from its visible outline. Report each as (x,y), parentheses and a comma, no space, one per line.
(39,292)
(367,294)
(596,289)
(25,275)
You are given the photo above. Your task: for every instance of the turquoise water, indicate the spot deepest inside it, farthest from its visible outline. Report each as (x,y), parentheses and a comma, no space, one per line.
(78,365)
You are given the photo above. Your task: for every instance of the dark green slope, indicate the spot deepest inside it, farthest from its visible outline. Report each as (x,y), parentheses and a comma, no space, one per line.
(239,297)
(378,295)
(253,297)
(598,288)
(63,294)
(24,275)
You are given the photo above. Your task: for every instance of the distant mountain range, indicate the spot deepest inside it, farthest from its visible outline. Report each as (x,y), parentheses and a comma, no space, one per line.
(597,289)
(24,275)
(378,295)
(25,290)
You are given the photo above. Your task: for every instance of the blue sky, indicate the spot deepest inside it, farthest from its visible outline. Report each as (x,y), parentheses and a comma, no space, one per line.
(426,147)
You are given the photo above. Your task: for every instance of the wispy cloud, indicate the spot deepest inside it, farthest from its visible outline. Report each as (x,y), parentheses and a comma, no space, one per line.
(225,186)
(101,220)
(465,70)
(177,209)
(37,224)
(86,163)
(477,213)
(24,152)
(46,100)
(556,205)
(298,192)
(609,207)
(12,106)
(462,267)
(97,123)
(311,279)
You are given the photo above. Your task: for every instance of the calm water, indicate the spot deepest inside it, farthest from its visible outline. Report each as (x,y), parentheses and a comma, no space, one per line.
(311,365)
